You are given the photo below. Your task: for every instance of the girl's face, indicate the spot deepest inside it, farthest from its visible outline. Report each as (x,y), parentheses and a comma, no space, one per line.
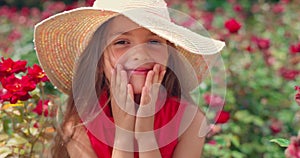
(136,49)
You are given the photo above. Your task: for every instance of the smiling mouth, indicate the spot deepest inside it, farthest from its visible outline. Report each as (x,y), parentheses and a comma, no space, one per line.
(139,71)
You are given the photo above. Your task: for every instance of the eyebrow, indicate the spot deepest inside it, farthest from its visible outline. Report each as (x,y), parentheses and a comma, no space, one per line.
(129,33)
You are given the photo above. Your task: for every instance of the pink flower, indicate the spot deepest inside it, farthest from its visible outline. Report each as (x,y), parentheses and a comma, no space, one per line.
(278,8)
(237,8)
(14,35)
(35,12)
(276,126)
(213,100)
(297,95)
(188,23)
(262,43)
(222,117)
(295,48)
(212,142)
(46,14)
(293,150)
(249,48)
(288,74)
(208,19)
(190,4)
(25,11)
(232,25)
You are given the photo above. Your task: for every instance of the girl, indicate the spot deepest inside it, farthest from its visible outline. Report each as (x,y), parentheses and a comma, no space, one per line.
(129,92)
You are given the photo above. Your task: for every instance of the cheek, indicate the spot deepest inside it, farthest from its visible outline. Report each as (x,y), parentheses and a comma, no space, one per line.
(161,57)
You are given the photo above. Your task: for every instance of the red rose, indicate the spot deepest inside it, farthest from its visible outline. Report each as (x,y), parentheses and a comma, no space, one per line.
(8,67)
(17,89)
(222,117)
(262,43)
(43,106)
(275,126)
(25,11)
(288,74)
(295,48)
(249,49)
(297,95)
(278,8)
(237,8)
(37,74)
(232,25)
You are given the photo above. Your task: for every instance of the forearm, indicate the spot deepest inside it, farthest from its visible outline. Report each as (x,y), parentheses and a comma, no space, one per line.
(148,146)
(123,145)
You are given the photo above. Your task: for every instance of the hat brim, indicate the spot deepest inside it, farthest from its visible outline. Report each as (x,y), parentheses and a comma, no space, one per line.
(60,40)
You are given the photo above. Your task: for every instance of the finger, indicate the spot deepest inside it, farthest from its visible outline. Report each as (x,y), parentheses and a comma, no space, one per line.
(156,73)
(161,76)
(145,96)
(123,87)
(118,75)
(113,79)
(130,108)
(149,79)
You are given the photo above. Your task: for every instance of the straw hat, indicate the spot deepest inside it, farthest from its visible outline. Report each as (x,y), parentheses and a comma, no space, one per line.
(60,39)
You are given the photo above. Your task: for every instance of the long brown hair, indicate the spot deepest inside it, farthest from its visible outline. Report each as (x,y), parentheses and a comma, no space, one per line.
(90,70)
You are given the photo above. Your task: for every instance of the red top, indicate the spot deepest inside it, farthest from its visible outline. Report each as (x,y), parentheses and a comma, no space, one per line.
(166,125)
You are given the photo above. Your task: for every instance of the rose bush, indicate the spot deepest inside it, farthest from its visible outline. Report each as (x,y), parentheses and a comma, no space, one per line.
(261,57)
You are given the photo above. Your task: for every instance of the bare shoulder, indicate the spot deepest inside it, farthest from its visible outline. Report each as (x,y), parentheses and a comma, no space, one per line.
(193,131)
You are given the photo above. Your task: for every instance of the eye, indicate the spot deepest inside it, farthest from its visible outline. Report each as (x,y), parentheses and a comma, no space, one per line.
(154,42)
(121,42)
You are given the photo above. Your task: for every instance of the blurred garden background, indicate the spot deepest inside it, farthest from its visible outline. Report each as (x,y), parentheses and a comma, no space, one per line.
(260,117)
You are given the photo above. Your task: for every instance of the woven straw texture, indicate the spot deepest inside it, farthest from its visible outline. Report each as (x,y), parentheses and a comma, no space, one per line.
(60,39)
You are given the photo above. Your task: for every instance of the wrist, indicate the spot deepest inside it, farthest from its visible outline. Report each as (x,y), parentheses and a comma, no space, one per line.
(146,141)
(124,140)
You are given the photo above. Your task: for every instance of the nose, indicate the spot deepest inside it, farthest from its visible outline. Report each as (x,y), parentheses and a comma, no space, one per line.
(141,52)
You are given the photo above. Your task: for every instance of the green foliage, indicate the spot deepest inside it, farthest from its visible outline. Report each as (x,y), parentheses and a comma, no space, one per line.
(281,142)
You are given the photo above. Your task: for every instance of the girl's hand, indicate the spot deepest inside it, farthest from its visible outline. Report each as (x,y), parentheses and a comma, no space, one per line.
(145,114)
(122,100)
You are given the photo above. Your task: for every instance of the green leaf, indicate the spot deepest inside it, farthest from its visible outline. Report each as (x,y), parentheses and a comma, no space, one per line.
(281,142)
(16,141)
(7,126)
(4,152)
(235,141)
